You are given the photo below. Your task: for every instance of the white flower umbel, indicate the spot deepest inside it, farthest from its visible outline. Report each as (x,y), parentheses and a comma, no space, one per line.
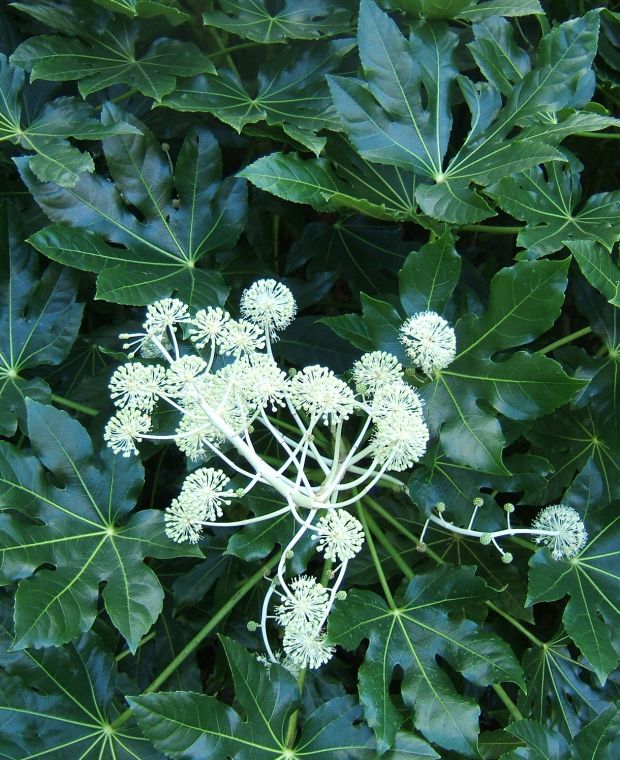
(558,527)
(231,402)
(305,646)
(269,304)
(374,371)
(340,535)
(571,535)
(429,340)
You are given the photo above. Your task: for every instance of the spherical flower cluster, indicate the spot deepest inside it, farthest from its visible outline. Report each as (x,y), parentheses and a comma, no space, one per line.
(269,304)
(206,327)
(375,371)
(240,337)
(399,440)
(126,427)
(184,372)
(396,398)
(306,604)
(571,535)
(165,314)
(137,385)
(340,535)
(429,340)
(200,501)
(306,646)
(321,394)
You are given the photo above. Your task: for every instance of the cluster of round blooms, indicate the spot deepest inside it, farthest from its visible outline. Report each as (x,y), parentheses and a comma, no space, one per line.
(269,304)
(429,340)
(570,532)
(399,440)
(321,394)
(375,371)
(340,535)
(202,495)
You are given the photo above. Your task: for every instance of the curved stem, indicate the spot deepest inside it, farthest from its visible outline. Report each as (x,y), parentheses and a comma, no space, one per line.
(62,401)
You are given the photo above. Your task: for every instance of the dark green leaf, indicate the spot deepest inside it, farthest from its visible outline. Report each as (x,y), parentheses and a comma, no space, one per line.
(599,740)
(429,276)
(81,531)
(146,8)
(542,743)
(598,267)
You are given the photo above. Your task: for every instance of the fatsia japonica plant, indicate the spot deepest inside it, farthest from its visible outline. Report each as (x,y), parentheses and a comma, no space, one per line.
(309,350)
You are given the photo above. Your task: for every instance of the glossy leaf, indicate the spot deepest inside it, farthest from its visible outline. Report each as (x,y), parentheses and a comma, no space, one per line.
(427,622)
(39,320)
(163,253)
(147,8)
(598,267)
(70,512)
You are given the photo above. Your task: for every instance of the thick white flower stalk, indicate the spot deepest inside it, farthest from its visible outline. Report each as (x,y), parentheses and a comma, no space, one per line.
(229,392)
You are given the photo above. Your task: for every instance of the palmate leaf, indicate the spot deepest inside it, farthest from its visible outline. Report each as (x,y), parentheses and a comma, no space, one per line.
(58,703)
(558,695)
(390,122)
(592,616)
(598,267)
(161,254)
(39,320)
(104,52)
(45,132)
(81,506)
(427,622)
(198,726)
(292,96)
(549,201)
(255,19)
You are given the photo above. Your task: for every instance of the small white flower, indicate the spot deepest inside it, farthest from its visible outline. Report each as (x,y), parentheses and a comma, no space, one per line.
(397,398)
(308,605)
(165,314)
(241,337)
(269,304)
(184,372)
(376,370)
(571,532)
(429,340)
(266,382)
(205,489)
(184,521)
(320,393)
(399,440)
(127,425)
(305,646)
(137,385)
(341,535)
(207,326)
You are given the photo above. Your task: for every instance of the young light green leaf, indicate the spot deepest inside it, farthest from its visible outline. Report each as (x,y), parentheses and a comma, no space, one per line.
(412,636)
(39,320)
(60,700)
(598,266)
(292,97)
(73,516)
(549,202)
(256,19)
(592,616)
(161,254)
(105,52)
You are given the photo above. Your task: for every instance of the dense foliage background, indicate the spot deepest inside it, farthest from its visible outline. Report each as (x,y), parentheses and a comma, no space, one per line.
(457,155)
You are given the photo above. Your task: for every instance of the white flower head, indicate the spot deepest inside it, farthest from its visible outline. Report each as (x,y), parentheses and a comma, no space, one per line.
(429,340)
(127,426)
(267,384)
(376,370)
(399,440)
(305,646)
(184,521)
(320,393)
(165,314)
(308,604)
(137,385)
(183,373)
(207,326)
(240,337)
(397,398)
(194,433)
(571,532)
(205,490)
(269,304)
(340,535)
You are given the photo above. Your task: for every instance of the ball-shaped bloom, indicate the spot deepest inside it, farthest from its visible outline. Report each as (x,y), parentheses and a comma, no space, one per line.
(239,337)
(567,534)
(137,385)
(184,372)
(308,603)
(429,340)
(183,521)
(340,535)
(320,393)
(269,304)
(207,326)
(205,489)
(267,384)
(126,427)
(374,371)
(399,440)
(165,314)
(305,646)
(396,398)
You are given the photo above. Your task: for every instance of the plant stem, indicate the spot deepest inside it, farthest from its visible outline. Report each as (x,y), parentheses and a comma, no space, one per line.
(599,135)
(74,405)
(126,652)
(385,543)
(233,49)
(490,229)
(118,98)
(515,623)
(202,634)
(566,339)
(510,705)
(375,557)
